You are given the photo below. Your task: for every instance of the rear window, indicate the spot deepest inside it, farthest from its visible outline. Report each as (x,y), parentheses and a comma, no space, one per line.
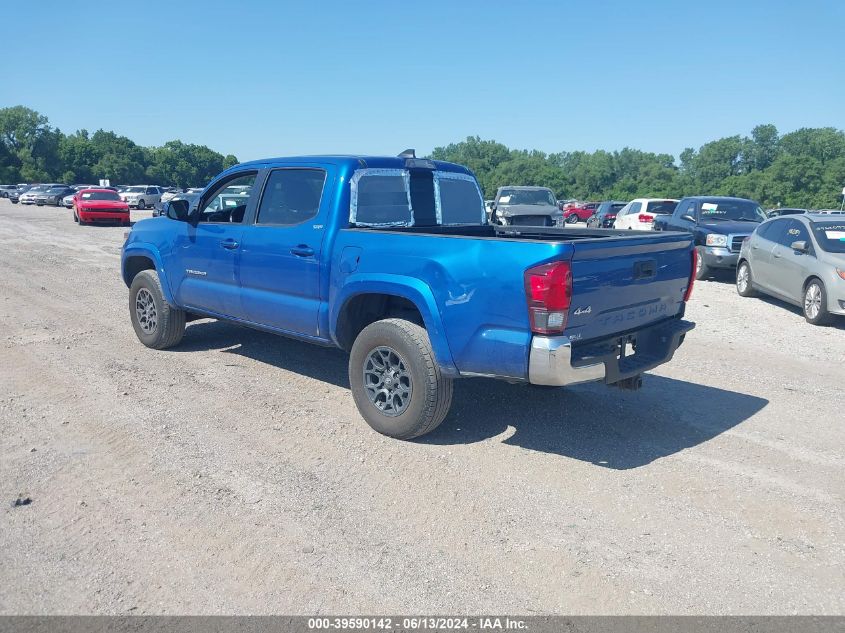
(661,207)
(460,200)
(386,197)
(830,236)
(380,197)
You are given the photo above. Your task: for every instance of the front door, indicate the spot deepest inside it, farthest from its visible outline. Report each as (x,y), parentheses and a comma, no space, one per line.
(281,254)
(204,260)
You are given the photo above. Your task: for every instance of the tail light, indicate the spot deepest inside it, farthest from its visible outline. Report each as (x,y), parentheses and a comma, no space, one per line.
(644,217)
(548,291)
(691,282)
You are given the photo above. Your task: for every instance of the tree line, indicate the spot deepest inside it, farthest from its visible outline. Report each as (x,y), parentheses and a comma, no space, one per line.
(31,150)
(804,168)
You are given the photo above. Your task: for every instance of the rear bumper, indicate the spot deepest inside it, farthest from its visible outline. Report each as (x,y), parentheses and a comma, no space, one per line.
(554,361)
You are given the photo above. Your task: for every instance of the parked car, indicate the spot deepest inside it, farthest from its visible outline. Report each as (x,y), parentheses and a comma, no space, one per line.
(53,195)
(99,205)
(718,224)
(640,213)
(370,254)
(15,194)
(5,190)
(605,214)
(190,197)
(773,213)
(142,196)
(799,259)
(525,206)
(576,212)
(32,193)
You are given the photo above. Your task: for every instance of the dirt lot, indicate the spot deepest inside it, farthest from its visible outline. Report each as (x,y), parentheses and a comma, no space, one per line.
(234,475)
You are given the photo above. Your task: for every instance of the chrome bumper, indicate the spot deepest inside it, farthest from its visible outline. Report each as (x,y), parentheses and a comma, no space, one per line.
(550,363)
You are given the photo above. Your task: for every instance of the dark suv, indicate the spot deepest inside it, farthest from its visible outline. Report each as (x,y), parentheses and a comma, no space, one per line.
(605,214)
(719,225)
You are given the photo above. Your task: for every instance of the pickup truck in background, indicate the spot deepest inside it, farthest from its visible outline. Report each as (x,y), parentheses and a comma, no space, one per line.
(718,225)
(393,260)
(525,206)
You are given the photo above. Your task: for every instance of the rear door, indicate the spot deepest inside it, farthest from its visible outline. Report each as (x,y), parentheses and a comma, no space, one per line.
(624,283)
(282,249)
(762,243)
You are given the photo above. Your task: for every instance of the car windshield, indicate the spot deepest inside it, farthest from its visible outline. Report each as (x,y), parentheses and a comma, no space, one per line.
(737,210)
(527,196)
(830,236)
(99,195)
(55,189)
(38,189)
(661,207)
(135,189)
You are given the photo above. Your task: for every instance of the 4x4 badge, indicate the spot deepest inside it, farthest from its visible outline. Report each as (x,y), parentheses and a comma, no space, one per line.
(586,310)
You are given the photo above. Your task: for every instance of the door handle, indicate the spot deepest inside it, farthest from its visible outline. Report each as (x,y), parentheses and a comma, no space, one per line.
(776,255)
(230,244)
(302,250)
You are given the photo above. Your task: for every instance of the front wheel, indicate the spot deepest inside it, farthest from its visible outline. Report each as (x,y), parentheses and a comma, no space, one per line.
(572,219)
(396,382)
(702,270)
(141,205)
(156,323)
(815,303)
(744,283)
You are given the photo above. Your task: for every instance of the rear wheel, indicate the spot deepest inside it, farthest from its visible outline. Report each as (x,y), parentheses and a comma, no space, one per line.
(744,281)
(571,219)
(157,324)
(815,303)
(396,383)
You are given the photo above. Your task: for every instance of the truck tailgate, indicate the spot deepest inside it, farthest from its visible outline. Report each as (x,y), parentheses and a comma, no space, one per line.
(625,283)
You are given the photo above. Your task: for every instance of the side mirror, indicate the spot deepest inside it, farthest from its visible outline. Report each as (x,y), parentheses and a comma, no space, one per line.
(800,246)
(176,210)
(688,217)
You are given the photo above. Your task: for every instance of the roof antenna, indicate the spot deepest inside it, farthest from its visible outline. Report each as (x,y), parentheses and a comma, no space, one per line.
(408,153)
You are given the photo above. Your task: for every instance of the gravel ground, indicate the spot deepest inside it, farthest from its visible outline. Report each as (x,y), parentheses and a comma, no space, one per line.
(234,475)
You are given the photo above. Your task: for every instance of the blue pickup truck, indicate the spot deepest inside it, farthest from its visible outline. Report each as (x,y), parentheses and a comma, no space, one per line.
(393,260)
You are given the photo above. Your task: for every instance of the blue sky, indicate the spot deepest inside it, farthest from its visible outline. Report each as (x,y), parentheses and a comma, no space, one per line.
(263,78)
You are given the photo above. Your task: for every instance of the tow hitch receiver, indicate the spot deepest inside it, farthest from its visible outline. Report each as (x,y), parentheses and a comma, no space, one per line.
(629,384)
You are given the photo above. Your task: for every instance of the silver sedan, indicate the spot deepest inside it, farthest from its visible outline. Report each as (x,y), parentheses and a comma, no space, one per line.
(799,259)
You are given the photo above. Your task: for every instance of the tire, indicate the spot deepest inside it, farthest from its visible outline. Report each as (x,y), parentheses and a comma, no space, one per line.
(405,348)
(141,205)
(702,270)
(572,219)
(163,325)
(814,303)
(744,280)
(75,217)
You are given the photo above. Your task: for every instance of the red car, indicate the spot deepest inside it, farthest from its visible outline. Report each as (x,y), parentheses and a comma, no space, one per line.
(99,205)
(580,212)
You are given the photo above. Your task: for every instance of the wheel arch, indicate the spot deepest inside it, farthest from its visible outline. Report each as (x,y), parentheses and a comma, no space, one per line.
(368,299)
(143,257)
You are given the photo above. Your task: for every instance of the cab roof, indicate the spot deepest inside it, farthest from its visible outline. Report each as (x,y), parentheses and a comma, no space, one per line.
(357,161)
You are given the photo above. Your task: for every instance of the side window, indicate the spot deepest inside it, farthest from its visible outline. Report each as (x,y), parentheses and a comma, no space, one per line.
(773,231)
(151,191)
(635,207)
(291,196)
(227,201)
(681,209)
(623,210)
